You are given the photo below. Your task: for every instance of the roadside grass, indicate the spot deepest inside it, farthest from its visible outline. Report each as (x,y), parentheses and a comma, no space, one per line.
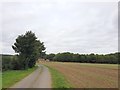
(10,77)
(58,79)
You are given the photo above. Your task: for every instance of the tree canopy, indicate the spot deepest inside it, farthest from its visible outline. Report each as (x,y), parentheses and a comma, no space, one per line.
(29,49)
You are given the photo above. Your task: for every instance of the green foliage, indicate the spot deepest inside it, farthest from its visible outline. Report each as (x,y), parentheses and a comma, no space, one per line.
(87,58)
(16,65)
(29,49)
(10,62)
(6,62)
(50,56)
(66,57)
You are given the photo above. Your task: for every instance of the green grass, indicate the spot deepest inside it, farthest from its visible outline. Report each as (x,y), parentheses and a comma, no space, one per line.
(58,79)
(9,78)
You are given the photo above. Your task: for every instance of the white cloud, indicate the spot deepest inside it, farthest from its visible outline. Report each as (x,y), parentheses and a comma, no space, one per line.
(75,27)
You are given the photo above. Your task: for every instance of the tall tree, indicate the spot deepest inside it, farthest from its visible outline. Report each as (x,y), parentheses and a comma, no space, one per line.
(28,48)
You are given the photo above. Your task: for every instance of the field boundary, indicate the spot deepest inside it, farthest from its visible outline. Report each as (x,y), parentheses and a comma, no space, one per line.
(58,79)
(22,74)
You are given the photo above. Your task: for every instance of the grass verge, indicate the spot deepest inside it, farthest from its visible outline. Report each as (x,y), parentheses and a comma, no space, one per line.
(58,79)
(9,78)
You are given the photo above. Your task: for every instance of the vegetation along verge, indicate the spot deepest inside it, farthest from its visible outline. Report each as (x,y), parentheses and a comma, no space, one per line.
(58,79)
(10,77)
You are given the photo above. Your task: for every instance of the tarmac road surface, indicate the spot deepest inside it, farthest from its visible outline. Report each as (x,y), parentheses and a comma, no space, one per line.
(40,78)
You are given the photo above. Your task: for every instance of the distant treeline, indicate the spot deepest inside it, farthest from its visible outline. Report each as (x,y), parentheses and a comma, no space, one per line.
(84,58)
(11,62)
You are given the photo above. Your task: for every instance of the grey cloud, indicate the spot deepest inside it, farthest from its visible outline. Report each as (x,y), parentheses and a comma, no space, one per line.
(74,27)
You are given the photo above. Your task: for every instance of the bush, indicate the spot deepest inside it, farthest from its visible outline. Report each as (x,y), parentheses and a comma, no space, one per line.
(6,62)
(10,62)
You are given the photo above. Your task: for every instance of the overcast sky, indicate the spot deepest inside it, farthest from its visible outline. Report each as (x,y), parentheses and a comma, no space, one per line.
(78,27)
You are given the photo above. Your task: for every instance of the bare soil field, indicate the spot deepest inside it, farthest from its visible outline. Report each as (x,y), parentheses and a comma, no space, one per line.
(82,75)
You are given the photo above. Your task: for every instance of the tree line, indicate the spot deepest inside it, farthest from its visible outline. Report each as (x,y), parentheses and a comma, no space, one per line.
(29,49)
(84,58)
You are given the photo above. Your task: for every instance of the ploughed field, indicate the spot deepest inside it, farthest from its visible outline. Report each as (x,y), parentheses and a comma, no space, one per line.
(84,75)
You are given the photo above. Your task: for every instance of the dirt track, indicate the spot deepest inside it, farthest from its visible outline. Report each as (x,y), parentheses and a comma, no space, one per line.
(40,78)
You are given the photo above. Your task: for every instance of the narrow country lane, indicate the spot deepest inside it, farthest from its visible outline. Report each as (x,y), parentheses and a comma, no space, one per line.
(40,78)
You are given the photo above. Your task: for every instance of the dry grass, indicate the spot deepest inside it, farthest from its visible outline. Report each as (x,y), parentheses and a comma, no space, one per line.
(88,75)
